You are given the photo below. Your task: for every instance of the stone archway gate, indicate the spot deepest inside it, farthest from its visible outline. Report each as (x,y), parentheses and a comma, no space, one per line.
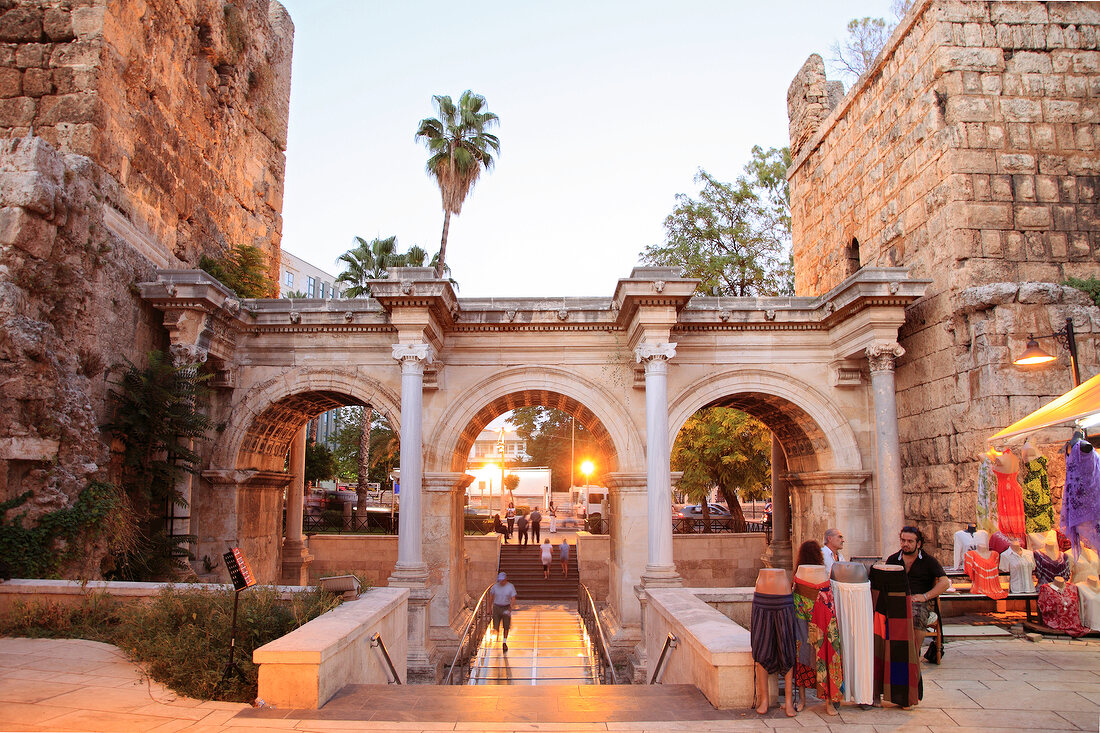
(633,367)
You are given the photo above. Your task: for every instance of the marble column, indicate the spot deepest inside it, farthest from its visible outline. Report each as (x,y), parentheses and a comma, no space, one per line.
(660,568)
(187,358)
(891,507)
(780,551)
(296,557)
(411,571)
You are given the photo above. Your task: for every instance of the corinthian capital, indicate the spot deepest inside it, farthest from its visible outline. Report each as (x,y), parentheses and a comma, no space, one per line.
(405,353)
(184,355)
(647,352)
(883,354)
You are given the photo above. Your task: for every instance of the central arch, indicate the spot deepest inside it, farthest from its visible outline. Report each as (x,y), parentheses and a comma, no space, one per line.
(598,410)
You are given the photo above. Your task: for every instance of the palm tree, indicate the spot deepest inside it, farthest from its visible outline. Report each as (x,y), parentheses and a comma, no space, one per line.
(365,262)
(460,147)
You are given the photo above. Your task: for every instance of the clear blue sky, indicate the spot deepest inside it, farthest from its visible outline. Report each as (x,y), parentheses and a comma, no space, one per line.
(607,110)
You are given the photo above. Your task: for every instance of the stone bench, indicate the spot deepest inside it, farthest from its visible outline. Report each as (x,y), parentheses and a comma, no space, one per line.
(305,668)
(713,653)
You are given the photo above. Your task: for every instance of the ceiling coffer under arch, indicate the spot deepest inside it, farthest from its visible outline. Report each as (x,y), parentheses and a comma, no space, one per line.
(532,398)
(272,431)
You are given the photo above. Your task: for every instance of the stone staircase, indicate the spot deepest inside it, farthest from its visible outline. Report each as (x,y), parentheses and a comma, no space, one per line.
(547,645)
(524,568)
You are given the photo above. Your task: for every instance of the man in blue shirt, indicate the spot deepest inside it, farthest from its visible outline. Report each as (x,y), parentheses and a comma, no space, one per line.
(503,594)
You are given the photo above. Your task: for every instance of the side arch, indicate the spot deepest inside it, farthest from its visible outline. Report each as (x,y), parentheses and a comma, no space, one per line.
(265,418)
(448,447)
(814,433)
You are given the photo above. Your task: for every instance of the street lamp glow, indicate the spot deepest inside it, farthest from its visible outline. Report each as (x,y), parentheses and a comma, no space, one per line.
(587,468)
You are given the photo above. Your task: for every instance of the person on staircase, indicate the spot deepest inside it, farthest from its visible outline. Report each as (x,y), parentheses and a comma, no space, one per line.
(547,553)
(521,527)
(511,518)
(563,553)
(504,594)
(535,518)
(553,518)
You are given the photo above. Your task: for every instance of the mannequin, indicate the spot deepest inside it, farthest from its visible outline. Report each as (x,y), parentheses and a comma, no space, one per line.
(855,617)
(1060,608)
(895,651)
(981,565)
(772,636)
(1019,564)
(812,582)
(1038,540)
(1088,593)
(1038,513)
(964,541)
(1051,562)
(1086,563)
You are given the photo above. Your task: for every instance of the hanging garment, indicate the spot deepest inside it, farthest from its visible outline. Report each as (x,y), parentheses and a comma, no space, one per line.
(772,635)
(1038,512)
(1090,606)
(984,574)
(1081,498)
(805,594)
(987,496)
(1010,503)
(897,669)
(855,617)
(1060,609)
(1047,570)
(1019,568)
(964,543)
(825,639)
(1084,565)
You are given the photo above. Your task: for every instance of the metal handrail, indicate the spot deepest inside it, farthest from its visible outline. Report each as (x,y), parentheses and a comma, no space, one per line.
(376,641)
(670,643)
(475,628)
(586,607)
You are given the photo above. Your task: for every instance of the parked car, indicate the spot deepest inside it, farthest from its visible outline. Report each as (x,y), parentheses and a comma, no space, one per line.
(336,498)
(690,518)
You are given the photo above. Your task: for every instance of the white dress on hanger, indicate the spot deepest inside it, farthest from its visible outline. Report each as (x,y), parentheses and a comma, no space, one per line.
(964,543)
(856,618)
(1020,569)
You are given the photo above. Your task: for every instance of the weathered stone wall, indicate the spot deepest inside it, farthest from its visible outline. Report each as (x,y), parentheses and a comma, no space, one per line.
(184,105)
(133,135)
(968,153)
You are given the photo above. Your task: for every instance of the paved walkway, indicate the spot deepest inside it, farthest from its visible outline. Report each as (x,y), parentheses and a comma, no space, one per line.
(547,646)
(67,685)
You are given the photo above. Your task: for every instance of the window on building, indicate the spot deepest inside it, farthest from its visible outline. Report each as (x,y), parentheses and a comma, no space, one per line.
(311,287)
(289,279)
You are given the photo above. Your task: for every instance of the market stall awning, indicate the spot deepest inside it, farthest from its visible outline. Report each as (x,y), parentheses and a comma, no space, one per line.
(1079,402)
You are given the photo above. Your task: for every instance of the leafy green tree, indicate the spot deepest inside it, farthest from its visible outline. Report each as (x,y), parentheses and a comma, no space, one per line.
(320,464)
(866,38)
(511,482)
(243,270)
(461,146)
(296,294)
(384,451)
(550,437)
(156,420)
(735,237)
(724,448)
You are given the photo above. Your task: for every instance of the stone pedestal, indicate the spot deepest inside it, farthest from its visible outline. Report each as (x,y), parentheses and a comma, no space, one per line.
(296,562)
(423,668)
(444,552)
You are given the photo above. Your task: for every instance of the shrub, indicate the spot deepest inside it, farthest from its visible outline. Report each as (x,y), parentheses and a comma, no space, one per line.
(1090,286)
(181,636)
(242,270)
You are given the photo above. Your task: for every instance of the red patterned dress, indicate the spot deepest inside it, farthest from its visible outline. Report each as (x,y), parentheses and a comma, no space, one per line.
(825,639)
(1060,609)
(984,574)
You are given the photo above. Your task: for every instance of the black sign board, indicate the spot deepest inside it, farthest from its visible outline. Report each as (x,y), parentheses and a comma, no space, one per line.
(239,572)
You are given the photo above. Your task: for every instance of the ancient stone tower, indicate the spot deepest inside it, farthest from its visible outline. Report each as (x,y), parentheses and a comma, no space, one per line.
(133,135)
(969,153)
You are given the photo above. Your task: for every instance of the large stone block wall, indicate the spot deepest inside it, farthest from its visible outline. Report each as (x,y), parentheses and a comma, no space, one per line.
(184,105)
(133,135)
(969,153)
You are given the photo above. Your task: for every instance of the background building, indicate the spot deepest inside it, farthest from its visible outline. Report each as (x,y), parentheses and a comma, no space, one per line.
(298,276)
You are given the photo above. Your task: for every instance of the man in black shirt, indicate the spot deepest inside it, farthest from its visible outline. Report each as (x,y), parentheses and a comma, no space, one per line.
(927,579)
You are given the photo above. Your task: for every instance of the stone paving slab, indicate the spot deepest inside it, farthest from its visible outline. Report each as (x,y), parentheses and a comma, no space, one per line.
(983,685)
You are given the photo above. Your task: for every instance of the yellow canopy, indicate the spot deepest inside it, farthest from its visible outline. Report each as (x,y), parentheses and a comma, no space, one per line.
(1079,402)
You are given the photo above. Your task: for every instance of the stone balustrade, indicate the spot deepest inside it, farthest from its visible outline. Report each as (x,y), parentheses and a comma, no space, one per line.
(713,651)
(305,668)
(71,593)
